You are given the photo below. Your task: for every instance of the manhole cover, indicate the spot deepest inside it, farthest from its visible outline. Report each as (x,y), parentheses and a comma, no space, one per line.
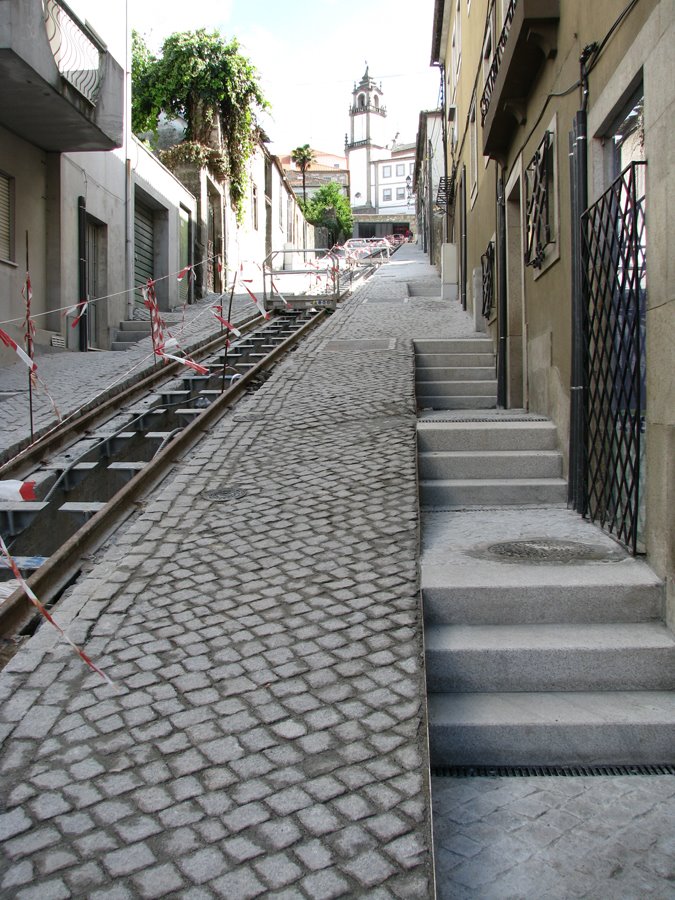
(222,495)
(551,551)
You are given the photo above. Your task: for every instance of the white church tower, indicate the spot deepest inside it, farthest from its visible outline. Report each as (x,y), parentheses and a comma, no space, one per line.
(366,140)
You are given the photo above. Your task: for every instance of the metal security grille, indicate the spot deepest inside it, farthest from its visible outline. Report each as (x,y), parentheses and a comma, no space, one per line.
(538,177)
(487,264)
(443,191)
(615,292)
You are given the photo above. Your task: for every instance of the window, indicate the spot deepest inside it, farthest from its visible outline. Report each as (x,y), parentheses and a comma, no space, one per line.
(400,169)
(488,47)
(411,168)
(458,35)
(6,217)
(254,205)
(541,204)
(386,194)
(386,171)
(290,232)
(376,101)
(473,161)
(400,193)
(362,101)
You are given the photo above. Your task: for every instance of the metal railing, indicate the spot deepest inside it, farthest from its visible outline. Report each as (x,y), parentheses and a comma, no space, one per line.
(496,62)
(300,278)
(487,264)
(77,52)
(615,301)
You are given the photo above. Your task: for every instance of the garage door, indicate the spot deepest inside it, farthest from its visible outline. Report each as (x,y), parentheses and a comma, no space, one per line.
(144,240)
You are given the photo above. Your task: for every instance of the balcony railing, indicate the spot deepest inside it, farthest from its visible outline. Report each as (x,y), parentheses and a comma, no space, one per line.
(496,62)
(370,107)
(527,39)
(77,52)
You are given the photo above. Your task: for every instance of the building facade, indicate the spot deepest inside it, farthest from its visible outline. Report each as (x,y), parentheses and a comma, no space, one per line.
(429,183)
(89,210)
(327,168)
(86,209)
(560,195)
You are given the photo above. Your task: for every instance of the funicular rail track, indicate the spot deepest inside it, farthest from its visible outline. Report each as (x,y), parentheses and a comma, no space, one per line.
(63,564)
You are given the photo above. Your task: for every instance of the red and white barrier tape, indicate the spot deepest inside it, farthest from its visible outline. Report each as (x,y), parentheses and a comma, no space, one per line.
(23,356)
(261,306)
(46,614)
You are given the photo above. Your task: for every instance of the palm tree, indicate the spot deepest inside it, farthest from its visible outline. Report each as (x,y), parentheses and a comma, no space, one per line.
(303,157)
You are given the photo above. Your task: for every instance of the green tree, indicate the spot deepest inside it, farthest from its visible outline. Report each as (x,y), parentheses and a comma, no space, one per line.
(201,78)
(303,157)
(330,208)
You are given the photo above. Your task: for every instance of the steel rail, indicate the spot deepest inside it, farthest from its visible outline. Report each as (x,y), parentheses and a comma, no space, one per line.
(59,436)
(62,567)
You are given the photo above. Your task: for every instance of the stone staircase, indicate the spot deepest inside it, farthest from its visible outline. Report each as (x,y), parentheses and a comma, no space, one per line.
(129,333)
(544,640)
(455,374)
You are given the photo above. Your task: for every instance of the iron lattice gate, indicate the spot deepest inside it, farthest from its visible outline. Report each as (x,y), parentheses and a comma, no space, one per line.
(615,290)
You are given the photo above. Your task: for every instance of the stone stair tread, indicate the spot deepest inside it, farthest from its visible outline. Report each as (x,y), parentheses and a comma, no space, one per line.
(561,728)
(489,454)
(558,638)
(553,708)
(493,482)
(490,575)
(459,401)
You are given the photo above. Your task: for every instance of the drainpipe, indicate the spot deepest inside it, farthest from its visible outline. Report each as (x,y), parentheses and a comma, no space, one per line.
(82,272)
(576,485)
(502,310)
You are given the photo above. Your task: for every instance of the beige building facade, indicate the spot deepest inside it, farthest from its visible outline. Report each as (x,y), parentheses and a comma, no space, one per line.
(560,196)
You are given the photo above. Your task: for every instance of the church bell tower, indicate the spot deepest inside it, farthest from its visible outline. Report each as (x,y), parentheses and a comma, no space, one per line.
(367,116)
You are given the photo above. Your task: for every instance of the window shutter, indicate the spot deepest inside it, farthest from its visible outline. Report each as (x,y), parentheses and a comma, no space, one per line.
(5,217)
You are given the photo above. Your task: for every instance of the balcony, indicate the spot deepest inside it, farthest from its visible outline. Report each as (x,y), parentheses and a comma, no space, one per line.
(527,40)
(61,89)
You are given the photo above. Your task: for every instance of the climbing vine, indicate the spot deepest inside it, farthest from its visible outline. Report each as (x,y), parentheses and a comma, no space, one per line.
(207,82)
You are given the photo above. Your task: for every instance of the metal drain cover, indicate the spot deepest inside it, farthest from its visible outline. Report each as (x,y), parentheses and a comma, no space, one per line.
(222,495)
(546,550)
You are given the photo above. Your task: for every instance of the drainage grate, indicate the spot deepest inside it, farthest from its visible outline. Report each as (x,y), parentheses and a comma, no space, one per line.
(492,419)
(221,495)
(546,771)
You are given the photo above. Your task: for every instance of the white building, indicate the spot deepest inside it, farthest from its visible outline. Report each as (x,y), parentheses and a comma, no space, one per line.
(380,170)
(98,212)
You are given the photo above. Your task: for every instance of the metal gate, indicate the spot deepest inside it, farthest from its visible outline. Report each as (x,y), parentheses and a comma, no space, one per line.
(614,284)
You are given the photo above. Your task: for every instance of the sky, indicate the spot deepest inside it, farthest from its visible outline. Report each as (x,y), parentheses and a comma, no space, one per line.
(308,54)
